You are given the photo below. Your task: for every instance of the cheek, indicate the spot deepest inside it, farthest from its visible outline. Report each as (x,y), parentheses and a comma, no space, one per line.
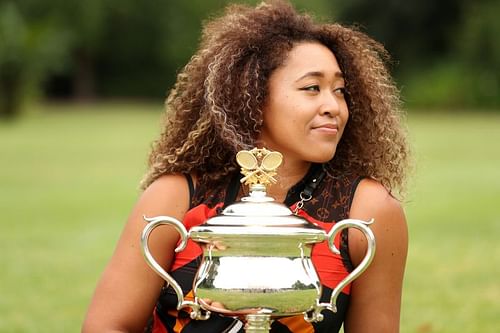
(345,116)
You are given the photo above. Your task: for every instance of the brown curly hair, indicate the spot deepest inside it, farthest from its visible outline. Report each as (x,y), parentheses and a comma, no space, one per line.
(215,107)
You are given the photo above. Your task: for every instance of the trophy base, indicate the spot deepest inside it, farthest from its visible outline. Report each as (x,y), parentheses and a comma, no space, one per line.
(257,323)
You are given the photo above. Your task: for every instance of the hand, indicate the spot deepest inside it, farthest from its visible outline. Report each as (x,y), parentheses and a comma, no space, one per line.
(210,305)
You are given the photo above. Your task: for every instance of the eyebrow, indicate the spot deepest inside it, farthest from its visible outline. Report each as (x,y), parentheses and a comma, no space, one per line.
(337,74)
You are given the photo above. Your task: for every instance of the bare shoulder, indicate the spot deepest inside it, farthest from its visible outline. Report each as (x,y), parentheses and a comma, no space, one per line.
(167,185)
(168,193)
(371,197)
(373,201)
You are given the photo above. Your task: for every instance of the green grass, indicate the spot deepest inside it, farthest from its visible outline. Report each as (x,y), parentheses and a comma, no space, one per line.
(452,282)
(67,182)
(284,301)
(69,177)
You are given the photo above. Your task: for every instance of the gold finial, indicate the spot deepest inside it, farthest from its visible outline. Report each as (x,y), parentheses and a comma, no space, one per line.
(258,166)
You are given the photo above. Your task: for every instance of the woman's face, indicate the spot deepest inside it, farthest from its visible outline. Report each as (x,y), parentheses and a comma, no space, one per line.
(306,112)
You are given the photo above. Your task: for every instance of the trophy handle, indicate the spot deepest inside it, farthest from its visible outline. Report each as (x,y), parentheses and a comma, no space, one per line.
(363,265)
(154,222)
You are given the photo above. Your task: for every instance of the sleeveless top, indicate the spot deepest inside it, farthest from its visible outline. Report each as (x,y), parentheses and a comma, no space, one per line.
(330,202)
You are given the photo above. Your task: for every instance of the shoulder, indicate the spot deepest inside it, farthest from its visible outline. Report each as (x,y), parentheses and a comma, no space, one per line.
(167,185)
(373,201)
(169,191)
(168,180)
(372,198)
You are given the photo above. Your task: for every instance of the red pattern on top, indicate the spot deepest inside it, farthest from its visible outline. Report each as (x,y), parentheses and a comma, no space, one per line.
(328,265)
(194,217)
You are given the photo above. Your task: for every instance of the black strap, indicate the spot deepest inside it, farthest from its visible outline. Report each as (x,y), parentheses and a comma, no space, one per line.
(307,185)
(232,190)
(191,188)
(354,186)
(313,183)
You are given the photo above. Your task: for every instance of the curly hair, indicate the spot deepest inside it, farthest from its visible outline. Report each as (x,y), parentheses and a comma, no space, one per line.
(215,108)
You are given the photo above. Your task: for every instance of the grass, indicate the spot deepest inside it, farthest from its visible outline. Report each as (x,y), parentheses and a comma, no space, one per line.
(68,180)
(284,301)
(452,280)
(69,176)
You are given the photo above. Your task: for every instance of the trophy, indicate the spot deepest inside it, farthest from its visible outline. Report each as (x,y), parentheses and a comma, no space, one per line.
(257,255)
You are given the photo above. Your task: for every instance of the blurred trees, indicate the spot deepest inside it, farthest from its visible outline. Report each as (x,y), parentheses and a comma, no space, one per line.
(30,46)
(445,52)
(478,53)
(86,22)
(415,32)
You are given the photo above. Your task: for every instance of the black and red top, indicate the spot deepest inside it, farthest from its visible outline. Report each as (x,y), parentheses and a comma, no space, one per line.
(331,201)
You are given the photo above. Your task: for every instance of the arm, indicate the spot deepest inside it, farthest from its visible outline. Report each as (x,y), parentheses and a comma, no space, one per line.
(376,295)
(128,289)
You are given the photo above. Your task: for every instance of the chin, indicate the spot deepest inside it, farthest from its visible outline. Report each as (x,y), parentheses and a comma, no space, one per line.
(322,157)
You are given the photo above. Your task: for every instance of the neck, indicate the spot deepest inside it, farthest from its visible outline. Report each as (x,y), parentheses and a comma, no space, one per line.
(288,175)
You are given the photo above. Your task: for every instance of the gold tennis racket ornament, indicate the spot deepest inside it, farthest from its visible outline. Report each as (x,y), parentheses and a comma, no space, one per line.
(258,166)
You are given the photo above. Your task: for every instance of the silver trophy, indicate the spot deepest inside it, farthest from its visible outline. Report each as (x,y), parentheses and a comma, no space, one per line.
(257,255)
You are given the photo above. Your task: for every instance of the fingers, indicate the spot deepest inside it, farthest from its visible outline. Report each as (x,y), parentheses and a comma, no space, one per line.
(213,304)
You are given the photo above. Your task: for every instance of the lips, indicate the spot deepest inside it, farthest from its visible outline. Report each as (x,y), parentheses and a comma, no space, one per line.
(330,129)
(327,126)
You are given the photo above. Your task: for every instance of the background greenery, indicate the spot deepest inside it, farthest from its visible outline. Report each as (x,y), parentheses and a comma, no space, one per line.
(445,53)
(70,177)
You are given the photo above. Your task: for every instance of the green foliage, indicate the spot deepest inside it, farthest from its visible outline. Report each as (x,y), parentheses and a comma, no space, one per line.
(128,48)
(478,41)
(148,42)
(14,48)
(445,53)
(478,51)
(29,49)
(451,85)
(414,32)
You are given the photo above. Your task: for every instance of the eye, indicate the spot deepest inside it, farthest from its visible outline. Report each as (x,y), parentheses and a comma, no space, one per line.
(313,87)
(340,91)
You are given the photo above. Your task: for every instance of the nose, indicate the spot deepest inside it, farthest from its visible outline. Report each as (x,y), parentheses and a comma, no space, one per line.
(330,106)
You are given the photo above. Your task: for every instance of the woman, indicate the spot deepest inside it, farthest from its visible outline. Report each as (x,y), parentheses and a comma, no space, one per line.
(319,94)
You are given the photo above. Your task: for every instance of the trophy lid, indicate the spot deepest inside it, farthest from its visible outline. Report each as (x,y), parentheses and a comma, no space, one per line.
(258,216)
(258,167)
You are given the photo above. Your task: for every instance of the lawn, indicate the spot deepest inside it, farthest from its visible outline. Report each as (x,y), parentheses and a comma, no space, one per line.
(69,176)
(453,276)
